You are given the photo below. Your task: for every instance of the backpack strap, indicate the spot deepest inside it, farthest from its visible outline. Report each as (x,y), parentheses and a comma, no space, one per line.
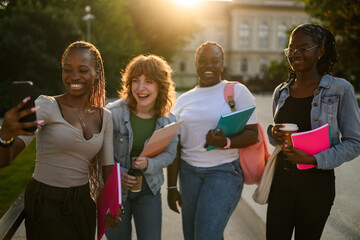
(229,95)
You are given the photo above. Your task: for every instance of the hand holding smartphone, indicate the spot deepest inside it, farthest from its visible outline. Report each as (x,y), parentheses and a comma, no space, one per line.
(20,90)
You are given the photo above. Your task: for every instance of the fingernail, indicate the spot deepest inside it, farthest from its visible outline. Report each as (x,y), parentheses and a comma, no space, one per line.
(34,109)
(26,99)
(40,122)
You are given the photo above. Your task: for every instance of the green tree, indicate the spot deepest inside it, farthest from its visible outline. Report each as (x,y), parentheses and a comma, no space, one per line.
(113,33)
(276,73)
(342,18)
(34,33)
(31,42)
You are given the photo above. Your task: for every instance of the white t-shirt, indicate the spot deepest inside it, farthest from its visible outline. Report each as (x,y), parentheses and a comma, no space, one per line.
(201,109)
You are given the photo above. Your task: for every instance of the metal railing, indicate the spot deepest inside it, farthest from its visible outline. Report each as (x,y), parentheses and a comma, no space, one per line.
(12,219)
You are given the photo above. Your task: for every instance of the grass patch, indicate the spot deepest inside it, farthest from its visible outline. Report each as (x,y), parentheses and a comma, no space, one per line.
(15,177)
(358,102)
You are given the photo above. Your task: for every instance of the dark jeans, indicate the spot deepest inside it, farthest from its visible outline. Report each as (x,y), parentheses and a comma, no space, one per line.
(59,213)
(300,199)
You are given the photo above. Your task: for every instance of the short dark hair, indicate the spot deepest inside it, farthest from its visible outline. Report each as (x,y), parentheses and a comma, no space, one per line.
(207,43)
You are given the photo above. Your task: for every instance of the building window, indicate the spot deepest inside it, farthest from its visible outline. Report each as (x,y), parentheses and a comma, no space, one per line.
(282,36)
(182,66)
(244,65)
(263,65)
(264,35)
(244,33)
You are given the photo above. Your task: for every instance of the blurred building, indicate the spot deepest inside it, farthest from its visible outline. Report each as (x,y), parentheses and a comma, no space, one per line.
(252,32)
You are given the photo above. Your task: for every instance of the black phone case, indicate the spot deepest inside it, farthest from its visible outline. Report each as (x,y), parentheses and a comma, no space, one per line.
(20,90)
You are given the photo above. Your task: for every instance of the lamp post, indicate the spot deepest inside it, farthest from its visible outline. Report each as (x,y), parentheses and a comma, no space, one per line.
(88,18)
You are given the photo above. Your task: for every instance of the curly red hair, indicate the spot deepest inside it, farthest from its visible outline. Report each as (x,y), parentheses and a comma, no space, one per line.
(157,69)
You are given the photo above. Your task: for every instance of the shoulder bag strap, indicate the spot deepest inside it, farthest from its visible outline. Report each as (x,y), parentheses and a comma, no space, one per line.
(229,95)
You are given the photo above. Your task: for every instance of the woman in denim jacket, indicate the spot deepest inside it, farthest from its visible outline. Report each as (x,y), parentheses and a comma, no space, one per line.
(146,98)
(302,199)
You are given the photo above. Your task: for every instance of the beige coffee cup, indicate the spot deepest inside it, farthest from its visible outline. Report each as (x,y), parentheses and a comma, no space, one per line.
(137,187)
(139,176)
(288,129)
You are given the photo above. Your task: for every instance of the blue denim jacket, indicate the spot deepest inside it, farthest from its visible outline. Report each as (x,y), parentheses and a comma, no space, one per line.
(123,141)
(334,103)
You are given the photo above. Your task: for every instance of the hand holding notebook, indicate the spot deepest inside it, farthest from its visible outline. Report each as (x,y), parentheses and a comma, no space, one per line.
(233,123)
(110,199)
(312,142)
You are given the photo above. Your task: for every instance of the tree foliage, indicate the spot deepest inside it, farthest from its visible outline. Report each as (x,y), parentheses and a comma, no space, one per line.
(34,34)
(276,73)
(114,35)
(31,42)
(342,18)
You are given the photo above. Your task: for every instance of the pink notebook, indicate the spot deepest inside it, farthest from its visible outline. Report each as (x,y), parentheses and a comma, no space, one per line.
(160,140)
(109,199)
(312,142)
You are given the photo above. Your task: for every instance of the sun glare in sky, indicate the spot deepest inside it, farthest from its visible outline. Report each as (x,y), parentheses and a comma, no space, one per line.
(190,3)
(187,3)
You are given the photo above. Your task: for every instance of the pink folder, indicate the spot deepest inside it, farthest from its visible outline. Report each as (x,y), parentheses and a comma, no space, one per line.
(312,142)
(160,139)
(109,199)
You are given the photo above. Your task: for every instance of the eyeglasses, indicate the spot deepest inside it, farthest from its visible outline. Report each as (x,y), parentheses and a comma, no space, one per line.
(291,51)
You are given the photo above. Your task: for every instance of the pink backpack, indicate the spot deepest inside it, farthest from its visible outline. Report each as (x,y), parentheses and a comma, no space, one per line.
(252,158)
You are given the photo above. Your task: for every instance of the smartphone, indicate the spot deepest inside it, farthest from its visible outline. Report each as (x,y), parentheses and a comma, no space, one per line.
(20,90)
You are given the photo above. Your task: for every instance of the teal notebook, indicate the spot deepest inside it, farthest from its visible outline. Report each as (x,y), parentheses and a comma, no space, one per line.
(233,123)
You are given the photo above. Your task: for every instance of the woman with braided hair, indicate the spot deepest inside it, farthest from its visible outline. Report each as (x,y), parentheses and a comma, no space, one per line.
(74,148)
(302,199)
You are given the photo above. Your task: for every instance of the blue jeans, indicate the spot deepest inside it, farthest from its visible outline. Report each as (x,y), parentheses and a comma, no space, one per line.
(145,207)
(209,196)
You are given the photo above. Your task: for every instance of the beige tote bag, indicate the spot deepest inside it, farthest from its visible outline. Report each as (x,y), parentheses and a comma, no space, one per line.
(262,191)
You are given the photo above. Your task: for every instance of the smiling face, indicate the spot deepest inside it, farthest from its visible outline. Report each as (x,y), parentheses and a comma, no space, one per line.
(78,72)
(209,65)
(145,92)
(304,62)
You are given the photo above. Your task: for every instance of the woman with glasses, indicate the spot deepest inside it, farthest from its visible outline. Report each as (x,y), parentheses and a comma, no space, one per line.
(302,199)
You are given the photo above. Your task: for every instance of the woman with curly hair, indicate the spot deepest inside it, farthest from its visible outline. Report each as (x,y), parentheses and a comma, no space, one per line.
(302,199)
(146,99)
(74,148)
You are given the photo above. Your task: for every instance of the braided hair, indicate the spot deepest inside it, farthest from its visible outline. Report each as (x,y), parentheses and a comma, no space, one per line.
(97,94)
(324,38)
(97,99)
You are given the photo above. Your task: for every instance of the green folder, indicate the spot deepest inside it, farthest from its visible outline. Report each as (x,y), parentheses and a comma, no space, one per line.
(233,123)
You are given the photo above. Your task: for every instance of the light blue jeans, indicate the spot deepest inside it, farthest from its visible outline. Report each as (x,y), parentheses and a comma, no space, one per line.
(145,207)
(209,197)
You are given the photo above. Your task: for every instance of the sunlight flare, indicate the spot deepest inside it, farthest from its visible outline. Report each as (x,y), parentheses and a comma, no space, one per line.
(187,3)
